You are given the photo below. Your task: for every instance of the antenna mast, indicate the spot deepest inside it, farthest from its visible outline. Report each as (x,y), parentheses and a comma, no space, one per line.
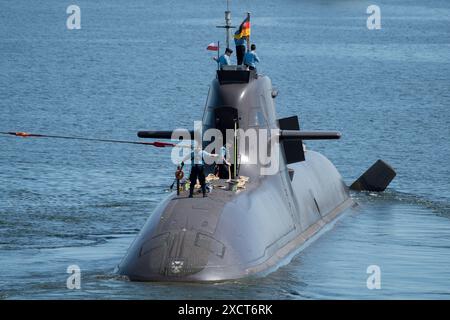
(227,25)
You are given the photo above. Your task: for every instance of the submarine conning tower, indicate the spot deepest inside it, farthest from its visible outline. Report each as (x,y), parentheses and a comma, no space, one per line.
(242,96)
(239,98)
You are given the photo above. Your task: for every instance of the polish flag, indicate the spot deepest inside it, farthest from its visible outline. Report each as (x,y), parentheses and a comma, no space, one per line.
(212,47)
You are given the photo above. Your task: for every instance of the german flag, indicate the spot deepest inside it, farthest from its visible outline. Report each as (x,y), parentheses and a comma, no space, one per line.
(244,29)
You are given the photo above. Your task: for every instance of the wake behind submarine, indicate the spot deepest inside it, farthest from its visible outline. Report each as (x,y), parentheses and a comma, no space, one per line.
(250,232)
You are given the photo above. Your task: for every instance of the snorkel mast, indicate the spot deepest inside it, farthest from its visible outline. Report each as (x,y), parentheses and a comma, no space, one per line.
(227,25)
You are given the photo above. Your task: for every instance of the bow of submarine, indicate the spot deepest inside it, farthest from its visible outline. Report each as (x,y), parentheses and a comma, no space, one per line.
(232,235)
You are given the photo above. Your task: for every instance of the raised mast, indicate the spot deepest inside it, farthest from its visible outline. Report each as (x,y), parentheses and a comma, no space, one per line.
(227,25)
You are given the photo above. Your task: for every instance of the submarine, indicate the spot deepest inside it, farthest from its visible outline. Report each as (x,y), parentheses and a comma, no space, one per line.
(250,232)
(237,232)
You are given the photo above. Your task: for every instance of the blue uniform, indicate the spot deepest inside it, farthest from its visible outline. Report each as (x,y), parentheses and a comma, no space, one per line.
(240,49)
(223,167)
(250,59)
(239,42)
(224,60)
(223,152)
(197,157)
(197,171)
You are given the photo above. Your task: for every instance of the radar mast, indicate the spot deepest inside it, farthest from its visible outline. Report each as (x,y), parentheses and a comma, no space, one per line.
(227,25)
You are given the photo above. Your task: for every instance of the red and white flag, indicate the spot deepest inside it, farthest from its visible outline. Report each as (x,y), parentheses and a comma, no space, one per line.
(213,47)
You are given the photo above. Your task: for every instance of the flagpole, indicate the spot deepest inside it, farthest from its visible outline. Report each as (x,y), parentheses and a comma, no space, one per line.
(248,37)
(235,148)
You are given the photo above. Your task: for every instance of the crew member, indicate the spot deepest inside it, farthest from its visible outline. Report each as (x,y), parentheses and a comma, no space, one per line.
(225,165)
(251,58)
(240,49)
(198,169)
(224,60)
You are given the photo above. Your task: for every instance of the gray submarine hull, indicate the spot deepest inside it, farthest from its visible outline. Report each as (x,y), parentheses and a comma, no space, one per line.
(231,235)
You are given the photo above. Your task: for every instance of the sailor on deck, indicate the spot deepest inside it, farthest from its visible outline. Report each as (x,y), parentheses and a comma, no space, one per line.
(197,169)
(251,58)
(224,60)
(226,165)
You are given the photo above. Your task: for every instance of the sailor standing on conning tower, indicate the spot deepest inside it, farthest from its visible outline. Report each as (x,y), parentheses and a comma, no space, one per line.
(241,38)
(240,49)
(251,58)
(224,60)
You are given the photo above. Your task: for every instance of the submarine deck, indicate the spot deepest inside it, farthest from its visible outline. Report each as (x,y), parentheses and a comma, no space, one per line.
(220,188)
(198,214)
